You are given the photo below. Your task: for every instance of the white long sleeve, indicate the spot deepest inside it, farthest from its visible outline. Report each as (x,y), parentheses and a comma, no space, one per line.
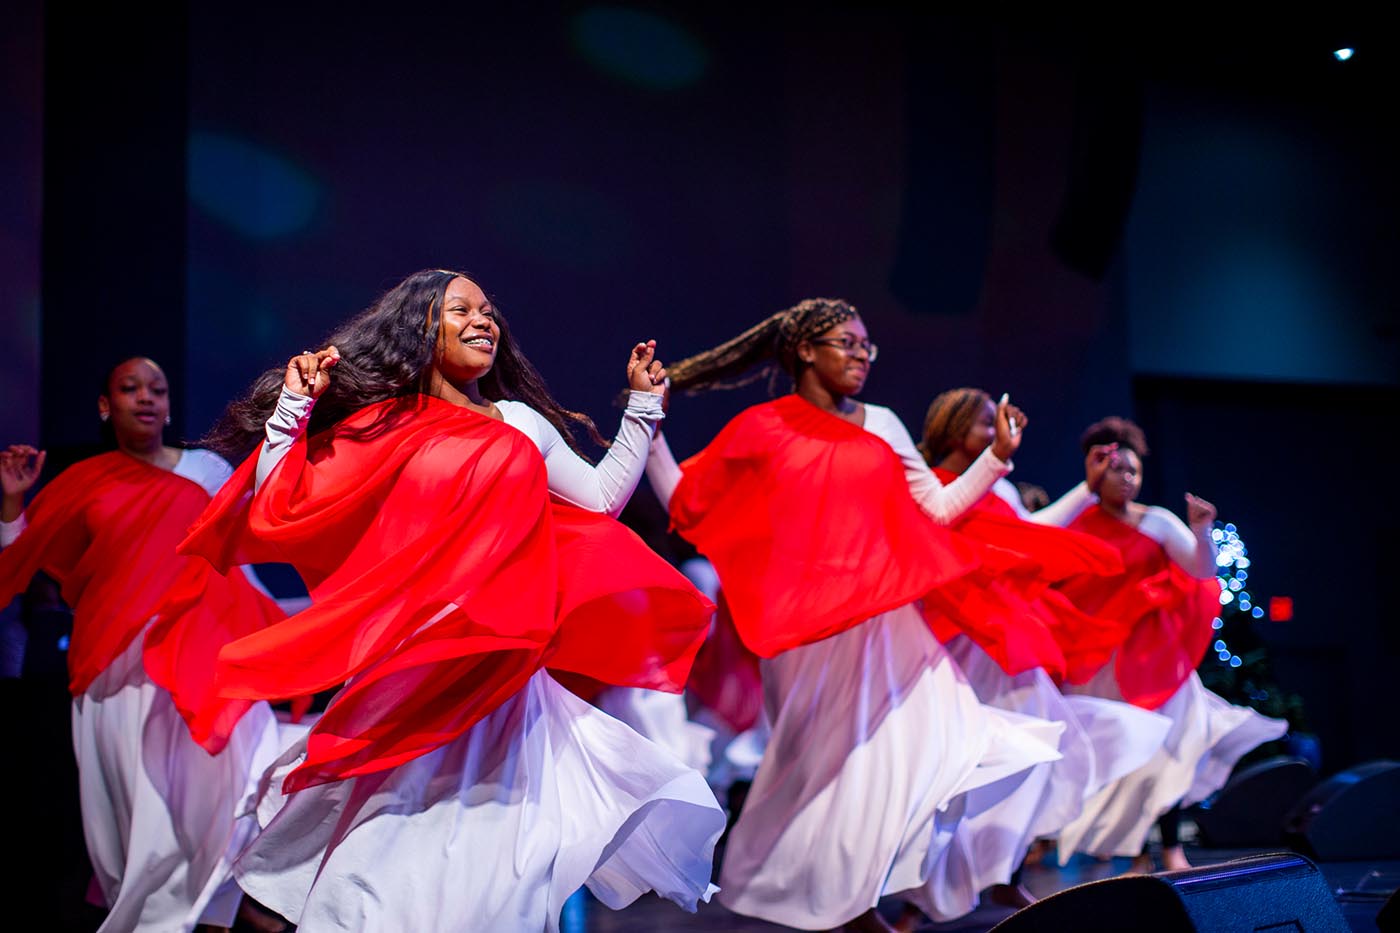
(1194,552)
(286,424)
(944,504)
(602,488)
(607,486)
(663,472)
(9,531)
(1060,512)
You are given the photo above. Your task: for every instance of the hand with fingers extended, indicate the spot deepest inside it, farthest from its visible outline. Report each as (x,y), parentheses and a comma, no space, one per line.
(1200,514)
(1096,463)
(1010,422)
(644,371)
(20,466)
(309,373)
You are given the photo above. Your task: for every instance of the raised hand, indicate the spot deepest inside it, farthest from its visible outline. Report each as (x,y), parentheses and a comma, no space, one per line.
(1096,463)
(309,373)
(1011,421)
(20,466)
(644,371)
(1200,514)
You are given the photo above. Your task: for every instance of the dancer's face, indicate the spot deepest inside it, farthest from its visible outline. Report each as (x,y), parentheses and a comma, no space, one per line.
(983,431)
(1123,480)
(840,370)
(137,402)
(470,334)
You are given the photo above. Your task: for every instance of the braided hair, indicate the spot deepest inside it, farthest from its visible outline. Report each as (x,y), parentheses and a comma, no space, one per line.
(951,415)
(386,352)
(766,349)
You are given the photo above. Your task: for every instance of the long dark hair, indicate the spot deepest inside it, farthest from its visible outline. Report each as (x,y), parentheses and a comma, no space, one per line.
(766,349)
(385,353)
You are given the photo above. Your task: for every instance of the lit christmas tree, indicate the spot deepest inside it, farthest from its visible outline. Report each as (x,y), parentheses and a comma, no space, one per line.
(1238,667)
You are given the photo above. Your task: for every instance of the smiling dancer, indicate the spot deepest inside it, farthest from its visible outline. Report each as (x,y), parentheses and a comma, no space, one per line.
(422,480)
(160,813)
(1162,604)
(824,527)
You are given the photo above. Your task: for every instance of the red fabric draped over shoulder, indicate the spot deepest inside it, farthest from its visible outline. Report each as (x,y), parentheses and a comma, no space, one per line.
(809,522)
(1003,605)
(107,529)
(442,577)
(1161,613)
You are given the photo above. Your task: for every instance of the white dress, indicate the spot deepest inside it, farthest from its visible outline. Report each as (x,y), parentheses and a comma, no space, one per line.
(1207,736)
(494,830)
(880,758)
(163,819)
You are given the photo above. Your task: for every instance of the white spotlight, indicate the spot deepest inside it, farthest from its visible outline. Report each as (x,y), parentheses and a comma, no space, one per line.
(1343,54)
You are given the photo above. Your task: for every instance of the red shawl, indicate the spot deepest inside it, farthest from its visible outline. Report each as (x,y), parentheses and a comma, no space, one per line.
(1162,613)
(106,529)
(811,527)
(1003,605)
(442,578)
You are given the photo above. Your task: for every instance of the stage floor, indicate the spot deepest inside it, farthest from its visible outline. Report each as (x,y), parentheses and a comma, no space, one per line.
(1360,888)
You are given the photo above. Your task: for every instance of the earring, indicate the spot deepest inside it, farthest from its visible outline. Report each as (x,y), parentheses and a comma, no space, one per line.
(167,419)
(103,415)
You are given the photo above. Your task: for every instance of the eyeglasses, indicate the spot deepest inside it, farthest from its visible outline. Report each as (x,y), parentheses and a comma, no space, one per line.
(848,345)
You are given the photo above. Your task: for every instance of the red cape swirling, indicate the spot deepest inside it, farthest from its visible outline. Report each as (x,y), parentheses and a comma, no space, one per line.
(442,578)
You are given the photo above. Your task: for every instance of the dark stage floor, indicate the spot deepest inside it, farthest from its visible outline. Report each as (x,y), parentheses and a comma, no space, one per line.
(1360,889)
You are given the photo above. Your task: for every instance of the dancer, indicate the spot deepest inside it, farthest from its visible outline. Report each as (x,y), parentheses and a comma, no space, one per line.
(424,483)
(815,510)
(1162,605)
(987,615)
(160,813)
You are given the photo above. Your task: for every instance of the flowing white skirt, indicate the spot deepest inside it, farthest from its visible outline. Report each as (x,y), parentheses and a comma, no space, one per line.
(661,717)
(1103,741)
(879,751)
(491,832)
(1208,736)
(160,814)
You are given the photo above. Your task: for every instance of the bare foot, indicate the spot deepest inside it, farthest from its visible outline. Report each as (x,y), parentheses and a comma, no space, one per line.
(1142,865)
(869,922)
(1039,851)
(910,919)
(1174,859)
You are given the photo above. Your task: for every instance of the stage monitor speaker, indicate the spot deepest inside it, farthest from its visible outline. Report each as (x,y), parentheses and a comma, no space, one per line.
(1250,810)
(1388,920)
(1354,814)
(1278,892)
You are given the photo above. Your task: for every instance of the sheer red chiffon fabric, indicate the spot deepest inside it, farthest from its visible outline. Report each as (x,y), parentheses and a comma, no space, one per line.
(442,578)
(107,529)
(1005,605)
(811,527)
(726,677)
(1163,614)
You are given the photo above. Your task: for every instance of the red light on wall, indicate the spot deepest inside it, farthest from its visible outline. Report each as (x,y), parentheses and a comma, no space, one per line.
(1280,608)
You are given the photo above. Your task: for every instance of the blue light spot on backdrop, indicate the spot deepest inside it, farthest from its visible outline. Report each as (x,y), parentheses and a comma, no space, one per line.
(250,188)
(639,47)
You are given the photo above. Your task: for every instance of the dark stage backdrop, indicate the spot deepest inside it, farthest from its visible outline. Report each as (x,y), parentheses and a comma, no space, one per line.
(1042,209)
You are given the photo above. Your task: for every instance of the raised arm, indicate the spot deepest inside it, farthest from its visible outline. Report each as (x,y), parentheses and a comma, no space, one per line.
(20,466)
(1189,545)
(607,486)
(308,375)
(663,472)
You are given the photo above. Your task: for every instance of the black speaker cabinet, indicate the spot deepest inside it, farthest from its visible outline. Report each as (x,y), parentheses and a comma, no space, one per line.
(1354,814)
(1250,810)
(1276,892)
(1388,920)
